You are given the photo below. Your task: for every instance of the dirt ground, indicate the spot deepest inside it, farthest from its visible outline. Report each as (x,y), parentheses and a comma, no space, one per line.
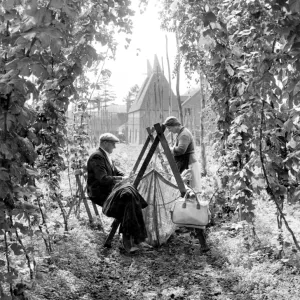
(239,266)
(82,269)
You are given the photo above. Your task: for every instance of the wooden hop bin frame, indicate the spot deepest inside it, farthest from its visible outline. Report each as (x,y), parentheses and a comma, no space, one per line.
(159,138)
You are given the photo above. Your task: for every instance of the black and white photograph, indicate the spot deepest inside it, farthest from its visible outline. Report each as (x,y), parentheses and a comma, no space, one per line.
(149,149)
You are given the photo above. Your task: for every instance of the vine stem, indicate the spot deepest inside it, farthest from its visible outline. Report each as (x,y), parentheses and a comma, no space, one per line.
(69,178)
(31,240)
(178,63)
(24,249)
(63,212)
(92,92)
(73,203)
(48,244)
(268,183)
(7,261)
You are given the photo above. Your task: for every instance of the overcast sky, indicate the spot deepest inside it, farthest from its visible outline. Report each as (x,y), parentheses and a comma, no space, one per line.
(130,66)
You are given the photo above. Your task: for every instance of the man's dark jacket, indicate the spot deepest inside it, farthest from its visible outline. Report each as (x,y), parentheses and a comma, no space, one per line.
(125,204)
(101,177)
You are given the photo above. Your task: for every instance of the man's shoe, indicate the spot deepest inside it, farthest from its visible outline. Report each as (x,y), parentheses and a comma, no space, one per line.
(127,243)
(133,249)
(205,249)
(144,245)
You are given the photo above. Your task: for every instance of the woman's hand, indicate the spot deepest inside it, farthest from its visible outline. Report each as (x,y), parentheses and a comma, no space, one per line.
(172,149)
(186,175)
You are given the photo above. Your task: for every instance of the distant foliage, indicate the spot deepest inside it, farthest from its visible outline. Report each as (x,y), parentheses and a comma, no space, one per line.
(131,96)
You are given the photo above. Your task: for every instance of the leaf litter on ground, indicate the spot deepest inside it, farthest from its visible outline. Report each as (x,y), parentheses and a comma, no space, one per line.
(80,268)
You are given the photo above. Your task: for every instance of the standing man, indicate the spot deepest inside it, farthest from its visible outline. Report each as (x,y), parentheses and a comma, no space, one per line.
(102,173)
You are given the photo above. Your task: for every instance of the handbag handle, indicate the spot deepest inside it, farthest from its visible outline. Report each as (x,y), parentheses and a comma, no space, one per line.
(198,203)
(184,202)
(185,198)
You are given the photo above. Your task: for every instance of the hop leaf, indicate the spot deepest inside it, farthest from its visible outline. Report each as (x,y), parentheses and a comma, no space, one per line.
(208,18)
(16,248)
(294,6)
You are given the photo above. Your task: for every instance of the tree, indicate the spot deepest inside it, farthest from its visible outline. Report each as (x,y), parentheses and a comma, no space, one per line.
(105,96)
(129,99)
(131,96)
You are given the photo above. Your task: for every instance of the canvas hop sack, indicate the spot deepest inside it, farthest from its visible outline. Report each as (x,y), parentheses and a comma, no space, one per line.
(187,212)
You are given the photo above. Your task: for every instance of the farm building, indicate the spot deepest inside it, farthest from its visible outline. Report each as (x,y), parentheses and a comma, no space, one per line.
(106,119)
(151,104)
(191,108)
(191,113)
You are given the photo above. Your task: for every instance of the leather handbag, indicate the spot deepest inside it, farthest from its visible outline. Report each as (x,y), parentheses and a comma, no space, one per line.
(188,212)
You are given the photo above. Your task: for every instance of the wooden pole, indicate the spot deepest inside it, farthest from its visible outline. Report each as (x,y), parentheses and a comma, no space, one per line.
(82,195)
(202,145)
(178,77)
(160,156)
(146,163)
(155,101)
(141,155)
(194,125)
(160,97)
(161,138)
(169,75)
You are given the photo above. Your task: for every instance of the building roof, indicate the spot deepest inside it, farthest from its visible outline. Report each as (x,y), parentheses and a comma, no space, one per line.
(156,65)
(138,102)
(154,75)
(149,68)
(183,98)
(191,98)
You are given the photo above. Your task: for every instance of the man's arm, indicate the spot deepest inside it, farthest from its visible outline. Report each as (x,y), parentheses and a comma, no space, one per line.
(100,171)
(118,172)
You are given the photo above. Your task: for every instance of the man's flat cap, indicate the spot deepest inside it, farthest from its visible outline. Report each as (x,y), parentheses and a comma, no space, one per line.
(108,137)
(171,121)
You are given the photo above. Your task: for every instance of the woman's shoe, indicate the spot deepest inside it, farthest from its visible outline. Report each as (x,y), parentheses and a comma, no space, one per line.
(144,245)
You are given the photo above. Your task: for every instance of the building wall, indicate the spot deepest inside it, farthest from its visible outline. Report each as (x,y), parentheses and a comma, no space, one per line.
(138,122)
(152,113)
(149,118)
(191,115)
(99,122)
(133,127)
(153,108)
(191,111)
